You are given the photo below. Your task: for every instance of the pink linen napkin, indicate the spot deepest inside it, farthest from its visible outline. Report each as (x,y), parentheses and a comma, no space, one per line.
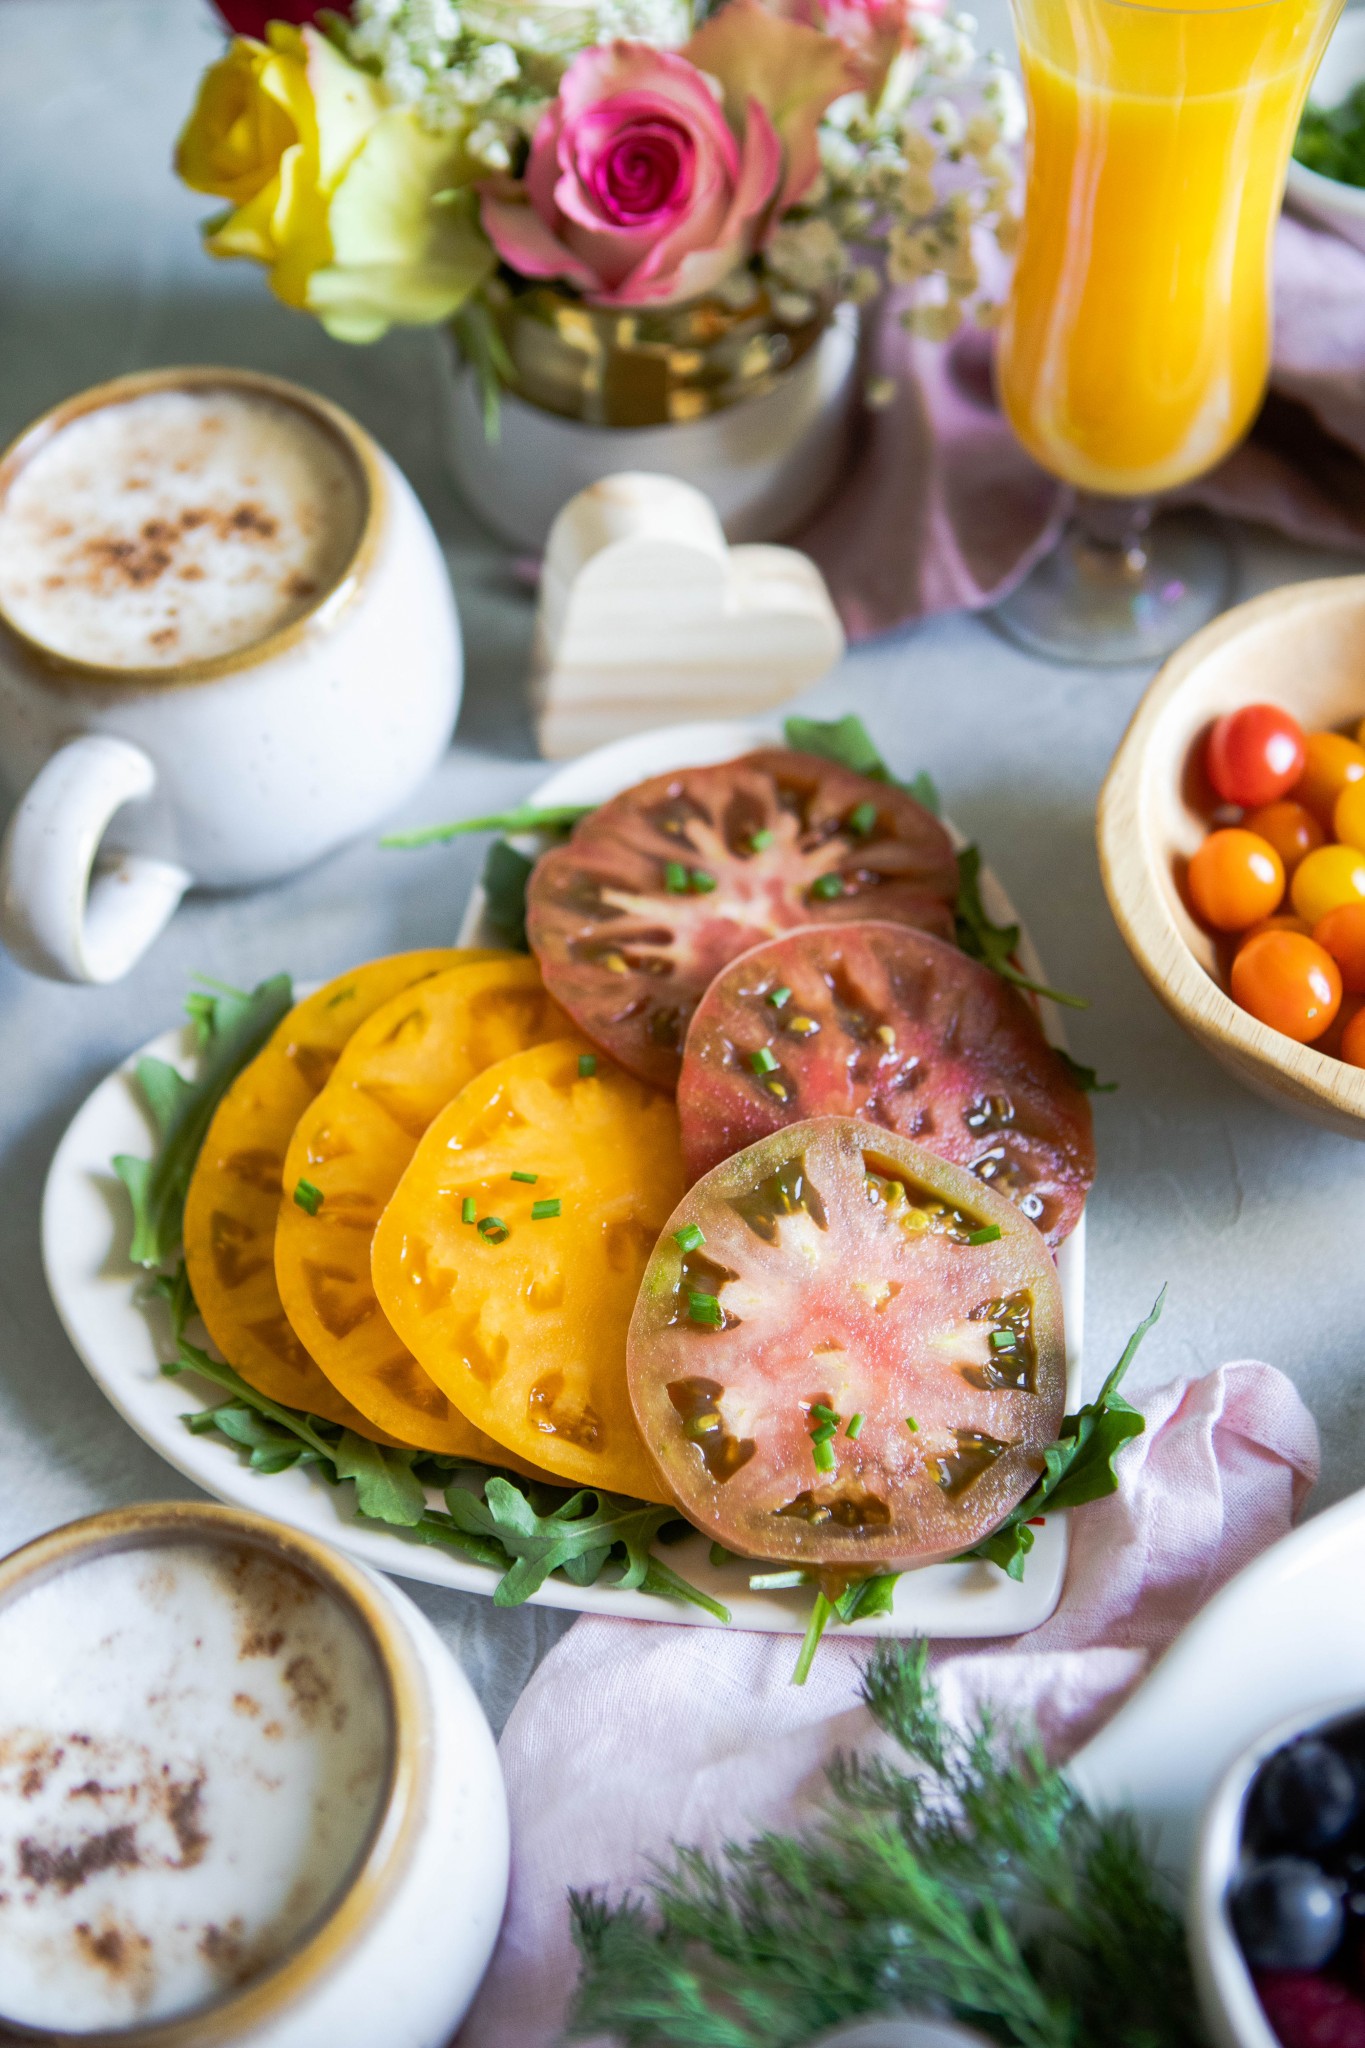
(942,510)
(632,1736)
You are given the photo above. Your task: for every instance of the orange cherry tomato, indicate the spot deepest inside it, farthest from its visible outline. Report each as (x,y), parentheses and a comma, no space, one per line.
(1288,982)
(1353,1041)
(1281,922)
(1291,829)
(1234,879)
(1348,815)
(1322,880)
(1342,934)
(1254,755)
(1330,762)
(1333,1036)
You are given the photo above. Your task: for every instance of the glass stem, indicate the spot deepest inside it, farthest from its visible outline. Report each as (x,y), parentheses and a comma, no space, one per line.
(1111,536)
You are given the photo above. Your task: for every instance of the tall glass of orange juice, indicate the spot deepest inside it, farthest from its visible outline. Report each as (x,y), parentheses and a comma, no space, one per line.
(1136,341)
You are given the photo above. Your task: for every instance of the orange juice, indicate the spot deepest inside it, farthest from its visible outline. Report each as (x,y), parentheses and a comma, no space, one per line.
(1137,338)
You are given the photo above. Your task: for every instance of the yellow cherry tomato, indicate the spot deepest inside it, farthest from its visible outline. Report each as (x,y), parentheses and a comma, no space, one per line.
(1289,983)
(1330,762)
(1291,829)
(1353,1041)
(1348,815)
(1234,879)
(1331,876)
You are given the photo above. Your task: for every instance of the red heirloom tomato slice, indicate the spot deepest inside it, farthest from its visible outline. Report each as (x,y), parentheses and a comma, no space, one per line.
(660,888)
(847,1352)
(876,1021)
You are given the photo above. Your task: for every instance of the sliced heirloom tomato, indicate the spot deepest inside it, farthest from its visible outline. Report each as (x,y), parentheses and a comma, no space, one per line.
(847,1353)
(660,888)
(877,1021)
(234,1193)
(350,1149)
(510,1256)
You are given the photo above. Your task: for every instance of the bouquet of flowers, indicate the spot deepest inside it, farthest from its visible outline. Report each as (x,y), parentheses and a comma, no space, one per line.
(432,161)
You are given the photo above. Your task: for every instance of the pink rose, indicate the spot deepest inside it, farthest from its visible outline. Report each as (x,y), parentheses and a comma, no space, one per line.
(874,32)
(655,174)
(638,191)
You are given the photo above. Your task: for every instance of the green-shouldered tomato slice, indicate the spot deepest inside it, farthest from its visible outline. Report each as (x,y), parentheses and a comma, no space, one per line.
(877,1021)
(659,889)
(837,1272)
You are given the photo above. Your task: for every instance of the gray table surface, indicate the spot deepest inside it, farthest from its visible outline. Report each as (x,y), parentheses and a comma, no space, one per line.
(1253,1218)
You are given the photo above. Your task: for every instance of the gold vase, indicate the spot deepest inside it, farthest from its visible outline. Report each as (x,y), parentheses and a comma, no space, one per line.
(641,366)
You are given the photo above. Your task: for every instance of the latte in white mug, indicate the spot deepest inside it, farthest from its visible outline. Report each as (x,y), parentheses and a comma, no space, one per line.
(175,527)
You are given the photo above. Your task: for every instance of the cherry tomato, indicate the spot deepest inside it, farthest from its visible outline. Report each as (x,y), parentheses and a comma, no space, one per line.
(1234,879)
(1342,934)
(1330,762)
(847,1351)
(1331,876)
(1279,923)
(1288,982)
(888,1024)
(1334,1036)
(1348,815)
(1291,829)
(1353,1041)
(1254,755)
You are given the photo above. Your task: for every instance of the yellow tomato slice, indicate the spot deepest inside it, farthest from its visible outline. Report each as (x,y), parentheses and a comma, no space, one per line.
(527,1332)
(234,1195)
(352,1145)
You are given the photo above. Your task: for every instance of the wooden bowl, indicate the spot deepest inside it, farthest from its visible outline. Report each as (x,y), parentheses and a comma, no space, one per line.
(1302,647)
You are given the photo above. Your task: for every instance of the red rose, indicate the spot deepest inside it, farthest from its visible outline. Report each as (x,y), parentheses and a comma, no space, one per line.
(249,17)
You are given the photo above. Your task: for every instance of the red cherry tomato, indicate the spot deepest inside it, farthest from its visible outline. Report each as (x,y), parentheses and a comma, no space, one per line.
(1342,933)
(1291,829)
(1254,755)
(1288,982)
(1234,879)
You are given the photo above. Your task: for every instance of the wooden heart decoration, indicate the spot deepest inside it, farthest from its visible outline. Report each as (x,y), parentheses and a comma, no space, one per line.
(647,615)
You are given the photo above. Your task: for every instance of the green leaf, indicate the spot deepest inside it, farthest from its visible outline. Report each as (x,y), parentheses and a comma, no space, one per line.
(505,875)
(386,1488)
(521,818)
(1085,1078)
(924,790)
(587,1524)
(1079,1466)
(480,342)
(845,740)
(232,1028)
(994,944)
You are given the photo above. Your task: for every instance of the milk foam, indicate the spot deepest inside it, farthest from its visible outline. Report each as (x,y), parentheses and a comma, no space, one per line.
(194,1745)
(175,527)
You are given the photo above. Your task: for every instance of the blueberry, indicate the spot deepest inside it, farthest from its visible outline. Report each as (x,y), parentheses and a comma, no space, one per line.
(1307,1795)
(1288,1915)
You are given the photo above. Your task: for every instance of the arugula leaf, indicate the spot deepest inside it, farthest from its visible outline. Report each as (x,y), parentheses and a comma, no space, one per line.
(1079,1467)
(505,875)
(845,740)
(521,818)
(231,1028)
(924,790)
(994,944)
(1085,1078)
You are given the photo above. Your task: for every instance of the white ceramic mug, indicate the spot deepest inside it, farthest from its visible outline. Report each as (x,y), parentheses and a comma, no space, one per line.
(133,785)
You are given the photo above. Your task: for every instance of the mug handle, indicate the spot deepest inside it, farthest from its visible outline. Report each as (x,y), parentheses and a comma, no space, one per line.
(58,916)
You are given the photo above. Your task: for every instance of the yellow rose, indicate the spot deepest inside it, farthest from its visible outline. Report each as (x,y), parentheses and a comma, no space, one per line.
(340,196)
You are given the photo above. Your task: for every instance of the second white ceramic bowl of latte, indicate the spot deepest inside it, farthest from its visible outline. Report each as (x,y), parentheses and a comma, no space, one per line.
(158,738)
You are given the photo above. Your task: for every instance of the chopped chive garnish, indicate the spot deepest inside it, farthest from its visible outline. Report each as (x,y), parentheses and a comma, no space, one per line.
(1002,1340)
(529,1178)
(823,1453)
(689,1237)
(780,997)
(827,887)
(762,1061)
(587,1065)
(705,1308)
(855,1426)
(675,878)
(702,883)
(775,1582)
(493,1230)
(987,1234)
(823,1432)
(761,841)
(862,819)
(912,1425)
(719,1555)
(542,1211)
(822,1412)
(308,1197)
(468,1209)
